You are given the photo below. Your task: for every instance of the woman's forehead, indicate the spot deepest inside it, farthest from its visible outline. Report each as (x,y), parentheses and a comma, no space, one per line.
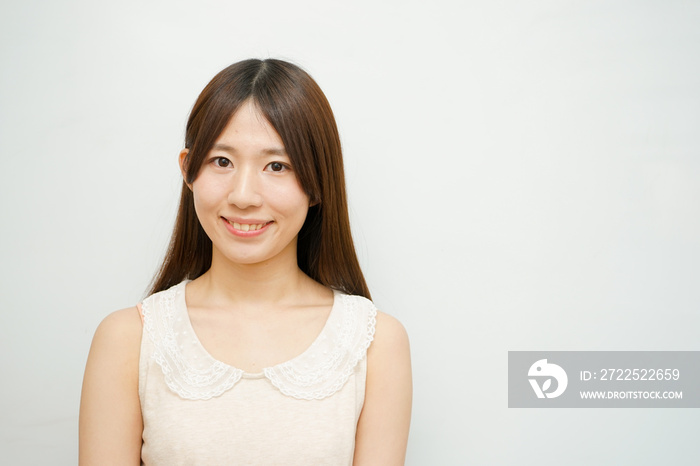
(248,129)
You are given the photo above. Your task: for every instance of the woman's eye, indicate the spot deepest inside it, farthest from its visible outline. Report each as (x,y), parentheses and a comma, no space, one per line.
(222,162)
(276,166)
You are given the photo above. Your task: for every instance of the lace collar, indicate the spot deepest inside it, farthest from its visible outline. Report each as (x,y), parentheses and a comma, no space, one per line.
(320,371)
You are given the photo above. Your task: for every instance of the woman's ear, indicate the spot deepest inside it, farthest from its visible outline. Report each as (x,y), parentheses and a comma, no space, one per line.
(183,166)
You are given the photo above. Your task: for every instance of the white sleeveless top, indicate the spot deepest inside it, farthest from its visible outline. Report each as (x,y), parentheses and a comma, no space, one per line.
(199,411)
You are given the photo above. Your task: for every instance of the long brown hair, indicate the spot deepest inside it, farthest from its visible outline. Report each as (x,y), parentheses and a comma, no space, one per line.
(300,113)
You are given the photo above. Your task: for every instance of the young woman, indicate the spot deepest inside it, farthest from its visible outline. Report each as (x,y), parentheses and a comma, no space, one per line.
(258,343)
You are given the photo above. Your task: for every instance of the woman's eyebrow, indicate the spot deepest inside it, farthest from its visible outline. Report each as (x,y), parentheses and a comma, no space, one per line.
(223,147)
(274,151)
(267,151)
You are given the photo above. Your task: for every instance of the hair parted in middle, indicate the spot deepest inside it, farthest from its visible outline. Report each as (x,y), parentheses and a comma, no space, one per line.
(300,113)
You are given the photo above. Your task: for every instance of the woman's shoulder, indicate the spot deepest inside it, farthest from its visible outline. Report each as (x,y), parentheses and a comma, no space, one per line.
(122,322)
(121,331)
(390,337)
(386,333)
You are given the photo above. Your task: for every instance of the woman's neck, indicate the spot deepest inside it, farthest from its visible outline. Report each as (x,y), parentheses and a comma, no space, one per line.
(252,285)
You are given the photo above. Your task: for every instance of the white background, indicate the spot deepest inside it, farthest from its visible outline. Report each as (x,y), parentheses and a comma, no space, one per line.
(522,176)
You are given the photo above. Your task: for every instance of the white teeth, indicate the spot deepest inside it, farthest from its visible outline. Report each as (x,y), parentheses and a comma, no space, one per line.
(247,226)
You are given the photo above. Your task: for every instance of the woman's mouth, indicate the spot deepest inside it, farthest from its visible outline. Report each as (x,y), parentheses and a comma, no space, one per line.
(246,227)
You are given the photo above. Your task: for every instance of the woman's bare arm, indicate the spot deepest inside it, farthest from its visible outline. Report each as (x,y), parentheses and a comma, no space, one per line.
(382,431)
(110,412)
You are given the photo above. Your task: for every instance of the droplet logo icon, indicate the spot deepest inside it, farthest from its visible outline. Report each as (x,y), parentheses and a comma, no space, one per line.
(544,371)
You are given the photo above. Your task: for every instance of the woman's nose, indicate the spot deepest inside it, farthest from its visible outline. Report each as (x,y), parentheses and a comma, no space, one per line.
(245,189)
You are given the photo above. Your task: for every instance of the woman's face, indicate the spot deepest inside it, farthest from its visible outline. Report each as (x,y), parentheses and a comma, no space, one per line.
(246,194)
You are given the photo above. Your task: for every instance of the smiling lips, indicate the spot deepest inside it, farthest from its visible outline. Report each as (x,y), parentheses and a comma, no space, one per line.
(246,229)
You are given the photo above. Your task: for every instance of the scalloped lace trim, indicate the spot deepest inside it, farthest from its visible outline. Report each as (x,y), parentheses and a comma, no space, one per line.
(355,334)
(181,376)
(319,372)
